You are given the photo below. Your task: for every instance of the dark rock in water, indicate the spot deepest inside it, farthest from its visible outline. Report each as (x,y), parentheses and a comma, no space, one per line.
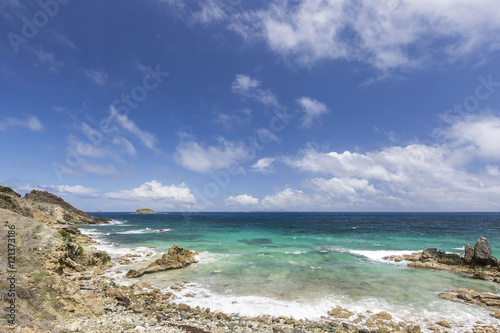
(469,253)
(256,241)
(482,253)
(441,257)
(177,257)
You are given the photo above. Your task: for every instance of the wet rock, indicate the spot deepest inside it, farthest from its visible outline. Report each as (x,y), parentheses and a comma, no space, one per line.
(443,324)
(177,257)
(384,315)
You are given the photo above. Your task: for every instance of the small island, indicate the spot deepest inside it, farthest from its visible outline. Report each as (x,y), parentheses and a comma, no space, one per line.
(146,211)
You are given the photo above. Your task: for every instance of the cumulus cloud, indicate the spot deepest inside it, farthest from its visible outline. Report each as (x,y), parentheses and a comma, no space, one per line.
(388,35)
(418,175)
(99,77)
(155,191)
(31,123)
(242,200)
(481,132)
(264,165)
(205,159)
(312,109)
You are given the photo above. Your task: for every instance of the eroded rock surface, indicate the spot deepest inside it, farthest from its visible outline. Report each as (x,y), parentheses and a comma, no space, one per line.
(177,257)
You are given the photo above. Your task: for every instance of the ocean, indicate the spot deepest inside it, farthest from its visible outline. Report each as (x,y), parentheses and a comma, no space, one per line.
(305,264)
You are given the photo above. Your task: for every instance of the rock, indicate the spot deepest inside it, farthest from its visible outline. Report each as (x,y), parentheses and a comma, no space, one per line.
(469,253)
(441,257)
(116,293)
(443,324)
(482,253)
(140,329)
(412,329)
(183,307)
(384,315)
(176,258)
(495,315)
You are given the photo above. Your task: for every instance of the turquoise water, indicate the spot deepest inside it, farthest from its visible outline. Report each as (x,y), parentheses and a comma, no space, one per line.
(303,264)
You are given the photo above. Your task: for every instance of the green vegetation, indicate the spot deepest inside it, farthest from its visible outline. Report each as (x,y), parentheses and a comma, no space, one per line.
(66,235)
(37,277)
(8,198)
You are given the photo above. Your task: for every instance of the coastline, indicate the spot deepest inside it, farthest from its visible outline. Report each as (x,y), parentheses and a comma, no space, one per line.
(338,320)
(64,284)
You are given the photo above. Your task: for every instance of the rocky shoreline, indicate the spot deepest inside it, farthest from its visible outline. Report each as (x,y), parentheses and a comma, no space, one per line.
(61,287)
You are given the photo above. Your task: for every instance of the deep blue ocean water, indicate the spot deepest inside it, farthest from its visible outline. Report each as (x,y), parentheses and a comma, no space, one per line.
(303,264)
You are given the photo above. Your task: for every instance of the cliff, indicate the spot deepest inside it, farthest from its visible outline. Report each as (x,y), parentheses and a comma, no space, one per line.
(41,253)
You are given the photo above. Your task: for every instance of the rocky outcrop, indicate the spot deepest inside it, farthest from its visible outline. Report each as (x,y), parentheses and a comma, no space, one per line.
(470,296)
(482,253)
(11,200)
(177,257)
(57,207)
(477,263)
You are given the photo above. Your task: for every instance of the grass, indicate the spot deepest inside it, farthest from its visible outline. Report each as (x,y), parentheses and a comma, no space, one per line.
(66,235)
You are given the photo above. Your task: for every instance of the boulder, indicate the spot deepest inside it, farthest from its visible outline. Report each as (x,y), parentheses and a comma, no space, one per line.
(482,253)
(469,253)
(177,257)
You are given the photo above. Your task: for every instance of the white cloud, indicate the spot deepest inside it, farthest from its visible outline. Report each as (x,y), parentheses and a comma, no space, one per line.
(249,88)
(266,136)
(46,59)
(288,199)
(263,165)
(229,120)
(154,191)
(211,11)
(147,139)
(31,123)
(482,132)
(196,157)
(242,200)
(99,77)
(416,176)
(126,146)
(398,34)
(76,190)
(313,110)
(343,186)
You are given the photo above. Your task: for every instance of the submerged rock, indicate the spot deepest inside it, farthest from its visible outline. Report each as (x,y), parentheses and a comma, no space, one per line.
(177,257)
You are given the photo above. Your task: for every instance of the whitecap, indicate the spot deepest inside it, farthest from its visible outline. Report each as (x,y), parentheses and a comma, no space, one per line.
(143,231)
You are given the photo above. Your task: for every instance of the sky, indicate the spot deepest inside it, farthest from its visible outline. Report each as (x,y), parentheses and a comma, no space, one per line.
(239,105)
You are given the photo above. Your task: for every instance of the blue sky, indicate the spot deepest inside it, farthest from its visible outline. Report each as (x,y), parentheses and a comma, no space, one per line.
(237,105)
